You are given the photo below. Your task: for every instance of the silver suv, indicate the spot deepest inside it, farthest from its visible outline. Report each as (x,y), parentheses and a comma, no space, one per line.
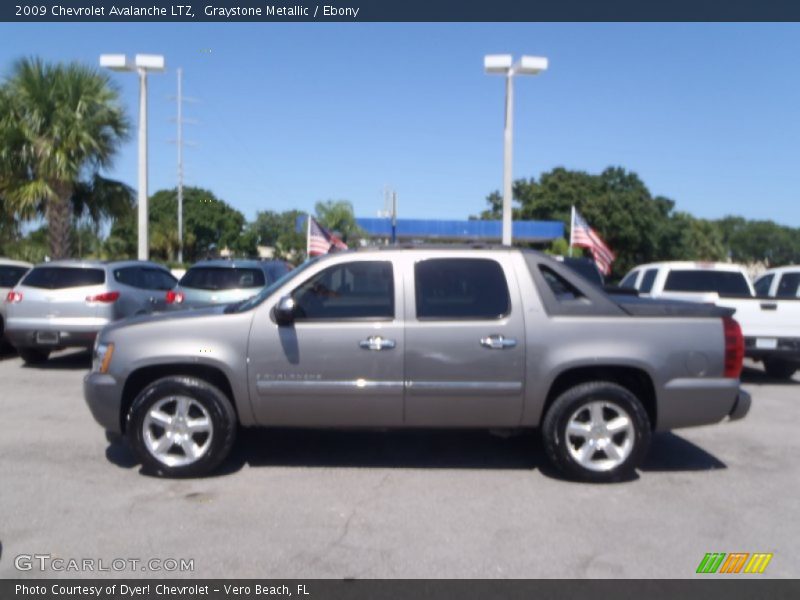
(11,271)
(65,303)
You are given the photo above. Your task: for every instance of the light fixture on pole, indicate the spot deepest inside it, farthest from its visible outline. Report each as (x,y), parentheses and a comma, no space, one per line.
(503,64)
(142,63)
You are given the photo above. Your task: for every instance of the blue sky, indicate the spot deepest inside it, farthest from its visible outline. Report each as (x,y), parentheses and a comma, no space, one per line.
(706,114)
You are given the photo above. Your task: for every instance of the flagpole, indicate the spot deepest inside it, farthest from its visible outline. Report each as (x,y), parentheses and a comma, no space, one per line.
(308,236)
(571,228)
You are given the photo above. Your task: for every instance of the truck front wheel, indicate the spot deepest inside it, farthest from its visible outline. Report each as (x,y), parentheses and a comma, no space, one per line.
(181,426)
(597,432)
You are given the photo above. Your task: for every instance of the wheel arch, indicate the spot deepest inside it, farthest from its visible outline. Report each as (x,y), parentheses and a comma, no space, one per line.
(140,378)
(634,379)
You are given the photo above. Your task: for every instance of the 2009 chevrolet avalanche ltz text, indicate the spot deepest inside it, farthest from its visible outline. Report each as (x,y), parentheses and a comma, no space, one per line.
(421,337)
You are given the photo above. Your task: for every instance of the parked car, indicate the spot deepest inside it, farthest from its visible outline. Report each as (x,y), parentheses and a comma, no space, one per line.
(783,282)
(771,326)
(404,338)
(11,271)
(222,281)
(65,303)
(693,281)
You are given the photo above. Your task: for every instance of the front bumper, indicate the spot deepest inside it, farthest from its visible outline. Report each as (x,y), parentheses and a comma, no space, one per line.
(103,395)
(741,407)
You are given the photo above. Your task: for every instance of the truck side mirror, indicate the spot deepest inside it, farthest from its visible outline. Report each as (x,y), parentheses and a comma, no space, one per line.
(285,311)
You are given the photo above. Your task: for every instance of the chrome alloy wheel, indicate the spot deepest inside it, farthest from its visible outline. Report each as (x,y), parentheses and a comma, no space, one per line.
(177,431)
(600,435)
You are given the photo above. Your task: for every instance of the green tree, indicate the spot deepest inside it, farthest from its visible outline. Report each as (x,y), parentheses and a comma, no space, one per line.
(617,204)
(58,124)
(210,225)
(278,230)
(338,216)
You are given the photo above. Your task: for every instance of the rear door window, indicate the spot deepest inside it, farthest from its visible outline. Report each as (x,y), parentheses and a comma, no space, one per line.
(56,278)
(724,283)
(155,279)
(223,278)
(763,284)
(630,280)
(789,286)
(10,275)
(461,288)
(647,281)
(128,276)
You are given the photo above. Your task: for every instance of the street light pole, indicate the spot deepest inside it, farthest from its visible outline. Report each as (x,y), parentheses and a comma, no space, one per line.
(503,64)
(142,63)
(508,138)
(144,245)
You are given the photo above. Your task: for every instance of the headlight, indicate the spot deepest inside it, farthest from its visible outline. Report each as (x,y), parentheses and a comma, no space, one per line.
(102,357)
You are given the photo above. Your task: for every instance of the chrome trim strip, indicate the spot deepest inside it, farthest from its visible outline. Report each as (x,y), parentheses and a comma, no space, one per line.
(334,387)
(472,388)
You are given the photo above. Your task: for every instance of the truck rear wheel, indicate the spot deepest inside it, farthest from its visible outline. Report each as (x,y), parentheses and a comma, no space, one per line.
(597,431)
(181,426)
(779,369)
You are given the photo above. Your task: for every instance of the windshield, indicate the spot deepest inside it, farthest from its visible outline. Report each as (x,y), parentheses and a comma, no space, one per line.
(265,293)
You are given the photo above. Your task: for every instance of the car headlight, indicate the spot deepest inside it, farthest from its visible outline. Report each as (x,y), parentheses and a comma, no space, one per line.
(102,357)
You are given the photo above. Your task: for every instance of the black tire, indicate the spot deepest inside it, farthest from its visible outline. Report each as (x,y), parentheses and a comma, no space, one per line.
(219,409)
(34,356)
(559,445)
(779,369)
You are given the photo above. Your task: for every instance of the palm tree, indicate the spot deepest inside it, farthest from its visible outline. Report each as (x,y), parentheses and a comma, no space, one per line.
(59,125)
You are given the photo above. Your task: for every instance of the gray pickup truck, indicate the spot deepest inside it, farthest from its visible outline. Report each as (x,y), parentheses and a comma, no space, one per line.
(421,338)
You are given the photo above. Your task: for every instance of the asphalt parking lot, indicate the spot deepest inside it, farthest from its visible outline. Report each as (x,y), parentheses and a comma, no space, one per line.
(305,504)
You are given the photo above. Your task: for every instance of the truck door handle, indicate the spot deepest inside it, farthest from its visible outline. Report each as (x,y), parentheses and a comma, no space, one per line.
(376,342)
(769,306)
(498,342)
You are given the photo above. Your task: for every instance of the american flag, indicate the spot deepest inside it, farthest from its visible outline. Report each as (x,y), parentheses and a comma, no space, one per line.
(320,240)
(585,237)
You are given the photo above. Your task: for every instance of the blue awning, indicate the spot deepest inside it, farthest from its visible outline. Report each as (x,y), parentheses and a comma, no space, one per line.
(529,231)
(433,229)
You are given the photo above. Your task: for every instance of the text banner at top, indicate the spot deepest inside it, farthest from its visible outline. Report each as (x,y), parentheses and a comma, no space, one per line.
(399,10)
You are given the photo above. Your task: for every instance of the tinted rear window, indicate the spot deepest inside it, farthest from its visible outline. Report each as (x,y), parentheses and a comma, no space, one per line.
(630,280)
(222,278)
(461,288)
(56,278)
(9,276)
(648,280)
(789,286)
(762,285)
(725,283)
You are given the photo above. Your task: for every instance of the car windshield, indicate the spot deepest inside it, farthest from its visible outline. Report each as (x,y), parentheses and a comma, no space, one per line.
(57,278)
(254,301)
(222,278)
